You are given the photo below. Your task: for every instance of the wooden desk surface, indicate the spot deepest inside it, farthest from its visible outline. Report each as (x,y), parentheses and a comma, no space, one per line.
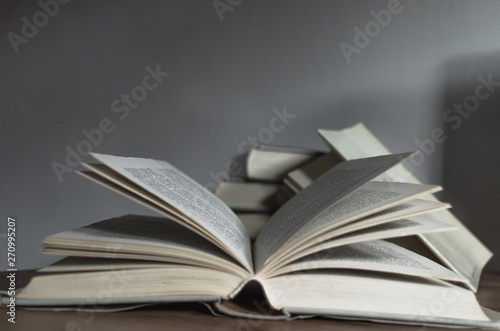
(191,317)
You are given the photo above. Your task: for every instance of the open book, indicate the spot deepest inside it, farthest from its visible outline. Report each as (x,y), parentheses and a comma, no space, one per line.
(325,252)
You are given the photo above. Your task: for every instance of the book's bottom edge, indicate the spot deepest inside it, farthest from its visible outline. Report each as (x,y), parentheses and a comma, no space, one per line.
(493,324)
(213,303)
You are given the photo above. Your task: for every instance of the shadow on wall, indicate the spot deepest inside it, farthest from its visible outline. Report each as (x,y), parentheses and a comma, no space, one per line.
(471,150)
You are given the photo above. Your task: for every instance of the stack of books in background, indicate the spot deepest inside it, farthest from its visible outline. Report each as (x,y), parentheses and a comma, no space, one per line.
(273,174)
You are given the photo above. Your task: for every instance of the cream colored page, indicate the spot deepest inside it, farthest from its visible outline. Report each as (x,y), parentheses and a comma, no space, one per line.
(78,264)
(116,233)
(188,197)
(371,198)
(400,228)
(408,209)
(106,177)
(377,255)
(335,184)
(459,250)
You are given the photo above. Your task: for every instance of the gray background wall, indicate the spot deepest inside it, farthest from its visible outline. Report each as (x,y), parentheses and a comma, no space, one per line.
(225,78)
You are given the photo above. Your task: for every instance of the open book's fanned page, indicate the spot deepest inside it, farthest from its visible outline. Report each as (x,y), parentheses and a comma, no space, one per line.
(79,264)
(376,255)
(142,237)
(334,185)
(371,198)
(187,197)
(460,250)
(399,228)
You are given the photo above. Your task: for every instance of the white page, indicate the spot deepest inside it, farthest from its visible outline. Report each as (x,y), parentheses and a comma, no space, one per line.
(377,255)
(342,227)
(407,209)
(116,233)
(79,264)
(140,237)
(332,186)
(401,228)
(188,197)
(102,175)
(373,197)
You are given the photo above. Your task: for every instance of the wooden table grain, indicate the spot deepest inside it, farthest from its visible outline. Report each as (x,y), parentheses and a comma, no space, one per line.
(195,317)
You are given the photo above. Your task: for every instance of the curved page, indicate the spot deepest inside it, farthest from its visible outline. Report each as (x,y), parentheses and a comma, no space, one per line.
(335,184)
(140,237)
(377,255)
(184,195)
